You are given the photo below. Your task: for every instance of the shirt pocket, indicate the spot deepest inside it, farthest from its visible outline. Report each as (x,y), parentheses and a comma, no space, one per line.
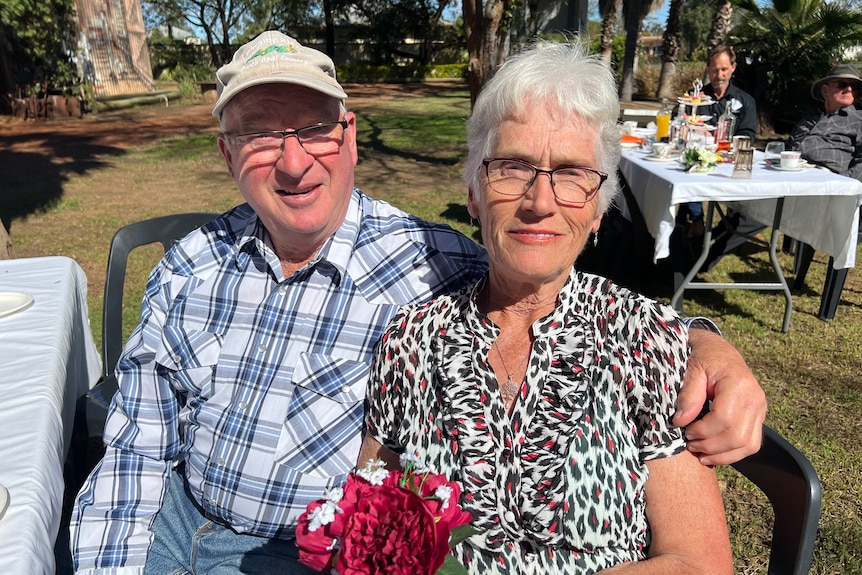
(322,430)
(188,360)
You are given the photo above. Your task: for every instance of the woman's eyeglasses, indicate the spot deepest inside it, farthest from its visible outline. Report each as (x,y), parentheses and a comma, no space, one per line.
(572,185)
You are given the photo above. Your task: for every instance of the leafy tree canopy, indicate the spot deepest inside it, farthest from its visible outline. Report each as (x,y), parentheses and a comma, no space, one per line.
(790,45)
(39,35)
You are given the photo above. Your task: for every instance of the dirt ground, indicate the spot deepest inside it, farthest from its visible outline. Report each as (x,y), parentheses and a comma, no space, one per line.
(126,129)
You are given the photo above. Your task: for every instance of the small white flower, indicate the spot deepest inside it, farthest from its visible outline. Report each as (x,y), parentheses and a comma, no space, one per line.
(374,472)
(323,515)
(418,466)
(443,493)
(335,494)
(406,459)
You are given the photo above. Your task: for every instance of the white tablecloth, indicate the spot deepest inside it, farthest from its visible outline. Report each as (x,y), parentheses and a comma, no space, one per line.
(820,207)
(47,361)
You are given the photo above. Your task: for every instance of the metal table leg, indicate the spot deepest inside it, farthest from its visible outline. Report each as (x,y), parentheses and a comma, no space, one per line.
(781,284)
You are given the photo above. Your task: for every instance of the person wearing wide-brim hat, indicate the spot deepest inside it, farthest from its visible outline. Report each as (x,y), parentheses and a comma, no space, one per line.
(833,89)
(831,139)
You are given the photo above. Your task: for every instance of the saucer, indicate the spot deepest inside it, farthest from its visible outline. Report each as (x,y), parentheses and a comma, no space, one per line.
(13,302)
(626,145)
(652,158)
(798,168)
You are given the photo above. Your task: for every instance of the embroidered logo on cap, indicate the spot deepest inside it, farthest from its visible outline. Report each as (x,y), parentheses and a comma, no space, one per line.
(270,49)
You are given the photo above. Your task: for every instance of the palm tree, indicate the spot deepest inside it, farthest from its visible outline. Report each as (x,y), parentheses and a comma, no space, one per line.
(789,50)
(670,46)
(608,10)
(634,12)
(720,24)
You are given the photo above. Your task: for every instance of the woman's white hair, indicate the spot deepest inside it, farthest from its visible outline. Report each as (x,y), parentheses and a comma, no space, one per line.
(563,75)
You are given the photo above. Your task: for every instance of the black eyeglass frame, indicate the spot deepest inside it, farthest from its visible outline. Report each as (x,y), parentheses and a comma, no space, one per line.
(529,183)
(287,133)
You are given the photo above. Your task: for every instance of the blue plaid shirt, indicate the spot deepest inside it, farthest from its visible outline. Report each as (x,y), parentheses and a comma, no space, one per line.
(254,380)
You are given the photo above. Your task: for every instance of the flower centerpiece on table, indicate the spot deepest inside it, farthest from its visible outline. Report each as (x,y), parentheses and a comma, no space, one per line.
(386,522)
(699,160)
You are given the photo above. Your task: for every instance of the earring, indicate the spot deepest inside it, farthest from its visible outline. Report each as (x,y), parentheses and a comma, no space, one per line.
(595,239)
(473,223)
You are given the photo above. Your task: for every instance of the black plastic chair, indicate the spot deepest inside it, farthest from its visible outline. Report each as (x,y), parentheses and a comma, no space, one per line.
(790,482)
(165,230)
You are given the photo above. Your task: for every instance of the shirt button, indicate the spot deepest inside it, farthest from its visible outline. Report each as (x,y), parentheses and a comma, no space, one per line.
(345,388)
(243,405)
(261,348)
(282,290)
(221,462)
(213,502)
(509,516)
(178,359)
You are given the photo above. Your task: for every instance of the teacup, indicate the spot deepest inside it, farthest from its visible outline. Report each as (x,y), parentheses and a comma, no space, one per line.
(660,149)
(629,127)
(790,159)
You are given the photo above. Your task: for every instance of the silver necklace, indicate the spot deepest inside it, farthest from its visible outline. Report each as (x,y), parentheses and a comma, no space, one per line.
(509,390)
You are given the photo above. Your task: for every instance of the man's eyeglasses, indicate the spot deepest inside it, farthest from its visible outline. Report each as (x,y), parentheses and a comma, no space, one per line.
(572,185)
(842,85)
(318,140)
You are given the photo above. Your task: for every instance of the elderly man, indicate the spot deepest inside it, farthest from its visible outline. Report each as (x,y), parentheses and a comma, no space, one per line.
(833,139)
(241,391)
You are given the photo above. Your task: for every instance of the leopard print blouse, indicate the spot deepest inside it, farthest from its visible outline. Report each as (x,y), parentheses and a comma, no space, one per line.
(558,485)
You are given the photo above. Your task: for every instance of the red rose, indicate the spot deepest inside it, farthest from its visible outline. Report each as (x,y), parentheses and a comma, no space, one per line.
(317,548)
(392,531)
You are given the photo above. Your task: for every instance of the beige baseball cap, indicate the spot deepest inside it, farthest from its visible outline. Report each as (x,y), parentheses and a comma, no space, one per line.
(274,58)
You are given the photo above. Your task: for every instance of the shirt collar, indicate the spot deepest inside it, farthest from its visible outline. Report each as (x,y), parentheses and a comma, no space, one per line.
(334,254)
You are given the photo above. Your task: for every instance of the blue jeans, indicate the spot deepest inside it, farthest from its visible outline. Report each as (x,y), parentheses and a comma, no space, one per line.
(186,542)
(695,210)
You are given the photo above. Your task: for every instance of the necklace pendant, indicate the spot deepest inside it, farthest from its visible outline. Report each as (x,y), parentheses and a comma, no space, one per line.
(509,390)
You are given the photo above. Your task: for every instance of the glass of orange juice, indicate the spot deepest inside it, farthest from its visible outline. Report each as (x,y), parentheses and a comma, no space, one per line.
(662,125)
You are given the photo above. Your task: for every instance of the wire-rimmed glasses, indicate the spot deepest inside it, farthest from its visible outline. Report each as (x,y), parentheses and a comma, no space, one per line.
(318,140)
(572,185)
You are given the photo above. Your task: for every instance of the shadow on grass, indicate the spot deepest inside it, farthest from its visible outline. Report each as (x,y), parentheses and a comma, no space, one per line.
(372,141)
(33,181)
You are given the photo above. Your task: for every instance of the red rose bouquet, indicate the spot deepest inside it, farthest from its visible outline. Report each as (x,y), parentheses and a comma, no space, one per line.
(393,522)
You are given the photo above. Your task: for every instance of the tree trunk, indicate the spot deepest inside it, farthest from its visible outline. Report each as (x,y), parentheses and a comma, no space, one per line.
(670,51)
(329,23)
(609,22)
(485,33)
(632,13)
(5,243)
(720,24)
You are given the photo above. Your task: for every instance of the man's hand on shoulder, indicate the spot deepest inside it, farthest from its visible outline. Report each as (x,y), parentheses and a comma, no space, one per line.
(732,428)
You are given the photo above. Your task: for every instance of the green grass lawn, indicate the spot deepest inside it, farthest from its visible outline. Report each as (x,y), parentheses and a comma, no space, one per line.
(410,152)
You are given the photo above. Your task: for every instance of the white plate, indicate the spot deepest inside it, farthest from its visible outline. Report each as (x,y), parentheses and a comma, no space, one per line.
(701,127)
(4,501)
(625,145)
(705,101)
(652,158)
(13,302)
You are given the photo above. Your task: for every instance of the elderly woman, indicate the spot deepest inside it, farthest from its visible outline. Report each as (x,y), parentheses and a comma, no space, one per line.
(547,392)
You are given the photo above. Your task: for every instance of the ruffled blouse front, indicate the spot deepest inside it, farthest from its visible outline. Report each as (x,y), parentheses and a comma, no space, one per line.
(557,486)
